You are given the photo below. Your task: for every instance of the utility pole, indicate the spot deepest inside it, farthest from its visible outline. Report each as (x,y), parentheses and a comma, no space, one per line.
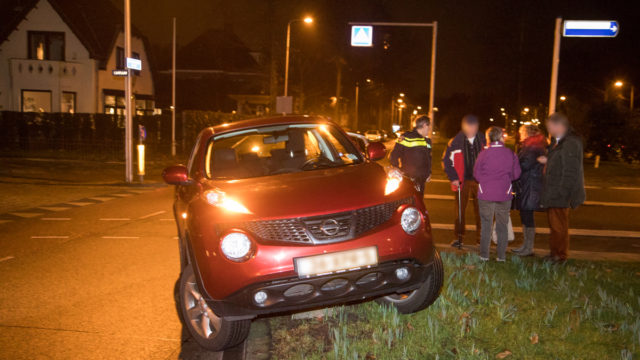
(355,123)
(338,89)
(633,88)
(554,67)
(128,128)
(432,78)
(173,92)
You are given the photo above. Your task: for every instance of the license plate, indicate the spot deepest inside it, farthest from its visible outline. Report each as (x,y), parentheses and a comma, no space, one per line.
(336,262)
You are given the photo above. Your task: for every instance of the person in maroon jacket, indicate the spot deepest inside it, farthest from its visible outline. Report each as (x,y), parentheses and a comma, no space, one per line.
(495,170)
(458,161)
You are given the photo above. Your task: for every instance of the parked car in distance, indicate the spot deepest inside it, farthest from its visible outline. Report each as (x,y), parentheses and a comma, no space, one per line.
(360,140)
(374,135)
(285,214)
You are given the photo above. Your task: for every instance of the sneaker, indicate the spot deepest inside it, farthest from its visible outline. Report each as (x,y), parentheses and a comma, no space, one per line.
(483,258)
(456,244)
(501,260)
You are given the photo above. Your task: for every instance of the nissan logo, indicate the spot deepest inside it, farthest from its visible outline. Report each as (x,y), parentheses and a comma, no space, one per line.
(330,227)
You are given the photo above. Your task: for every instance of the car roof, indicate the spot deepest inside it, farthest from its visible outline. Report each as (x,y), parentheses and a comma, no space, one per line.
(265,121)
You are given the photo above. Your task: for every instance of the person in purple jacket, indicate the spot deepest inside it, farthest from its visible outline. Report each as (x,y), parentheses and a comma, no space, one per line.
(495,169)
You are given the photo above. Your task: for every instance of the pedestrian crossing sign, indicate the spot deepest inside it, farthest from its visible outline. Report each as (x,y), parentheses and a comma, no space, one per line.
(362,35)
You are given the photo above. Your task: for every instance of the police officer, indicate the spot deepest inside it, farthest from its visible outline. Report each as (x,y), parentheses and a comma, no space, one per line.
(412,153)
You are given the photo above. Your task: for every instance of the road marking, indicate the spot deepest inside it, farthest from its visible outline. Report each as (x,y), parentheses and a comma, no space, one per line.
(592,187)
(80,203)
(54,208)
(166,219)
(618,204)
(26,214)
(152,214)
(577,232)
(591,203)
(101,198)
(55,219)
(49,237)
(114,219)
(121,195)
(120,237)
(625,188)
(6,258)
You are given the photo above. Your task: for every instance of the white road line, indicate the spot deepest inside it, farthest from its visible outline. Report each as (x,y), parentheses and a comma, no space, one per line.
(80,203)
(120,237)
(6,258)
(54,208)
(577,232)
(152,214)
(26,214)
(122,195)
(591,203)
(166,219)
(592,187)
(55,219)
(49,237)
(616,204)
(101,198)
(114,219)
(625,188)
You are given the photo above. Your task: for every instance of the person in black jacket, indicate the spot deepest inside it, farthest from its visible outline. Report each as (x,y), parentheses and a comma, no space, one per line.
(563,183)
(529,187)
(412,153)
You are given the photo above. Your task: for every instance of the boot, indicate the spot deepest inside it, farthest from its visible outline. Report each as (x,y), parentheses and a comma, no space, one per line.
(529,237)
(519,250)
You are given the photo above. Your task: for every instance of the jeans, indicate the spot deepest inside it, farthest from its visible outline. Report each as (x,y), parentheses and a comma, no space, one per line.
(489,210)
(526,216)
(469,191)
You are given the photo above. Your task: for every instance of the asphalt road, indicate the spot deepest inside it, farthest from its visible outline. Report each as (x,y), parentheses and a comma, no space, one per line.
(94,278)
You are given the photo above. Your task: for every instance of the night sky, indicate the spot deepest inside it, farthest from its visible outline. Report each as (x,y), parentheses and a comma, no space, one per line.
(498,50)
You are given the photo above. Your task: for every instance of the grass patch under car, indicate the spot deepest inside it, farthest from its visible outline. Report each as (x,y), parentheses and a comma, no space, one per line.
(521,309)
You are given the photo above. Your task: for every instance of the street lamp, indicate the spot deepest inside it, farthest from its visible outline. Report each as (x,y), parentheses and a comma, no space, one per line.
(618,84)
(307,20)
(563,98)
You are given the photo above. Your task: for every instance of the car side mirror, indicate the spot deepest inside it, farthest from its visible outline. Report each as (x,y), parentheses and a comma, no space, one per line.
(176,175)
(376,151)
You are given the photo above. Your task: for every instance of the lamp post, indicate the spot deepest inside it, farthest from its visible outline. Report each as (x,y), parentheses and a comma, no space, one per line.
(307,20)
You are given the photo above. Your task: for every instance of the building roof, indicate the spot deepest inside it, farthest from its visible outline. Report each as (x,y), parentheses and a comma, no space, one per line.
(96,23)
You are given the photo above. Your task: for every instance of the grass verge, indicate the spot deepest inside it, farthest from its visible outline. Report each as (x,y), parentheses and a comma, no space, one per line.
(521,309)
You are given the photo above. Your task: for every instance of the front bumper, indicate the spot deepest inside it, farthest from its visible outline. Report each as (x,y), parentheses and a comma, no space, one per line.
(299,294)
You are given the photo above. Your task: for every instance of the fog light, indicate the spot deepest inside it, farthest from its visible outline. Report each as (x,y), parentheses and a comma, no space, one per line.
(260,297)
(402,273)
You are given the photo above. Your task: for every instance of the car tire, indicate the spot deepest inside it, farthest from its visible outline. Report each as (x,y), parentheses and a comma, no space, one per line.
(207,329)
(423,296)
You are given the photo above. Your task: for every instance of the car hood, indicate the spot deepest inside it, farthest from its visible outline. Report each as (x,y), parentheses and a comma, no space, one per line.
(310,193)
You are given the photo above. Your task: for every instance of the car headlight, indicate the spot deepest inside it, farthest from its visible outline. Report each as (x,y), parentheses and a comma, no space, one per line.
(235,246)
(394,178)
(219,198)
(410,220)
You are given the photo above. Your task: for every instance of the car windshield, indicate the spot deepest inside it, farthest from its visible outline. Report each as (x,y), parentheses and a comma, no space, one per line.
(278,149)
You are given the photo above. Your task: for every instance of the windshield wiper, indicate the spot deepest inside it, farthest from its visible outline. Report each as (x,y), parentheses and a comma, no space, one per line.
(320,163)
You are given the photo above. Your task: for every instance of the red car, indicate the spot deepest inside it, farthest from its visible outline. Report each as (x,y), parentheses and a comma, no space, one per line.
(286,214)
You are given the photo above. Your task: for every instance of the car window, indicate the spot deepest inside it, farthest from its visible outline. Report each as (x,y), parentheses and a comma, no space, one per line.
(277,150)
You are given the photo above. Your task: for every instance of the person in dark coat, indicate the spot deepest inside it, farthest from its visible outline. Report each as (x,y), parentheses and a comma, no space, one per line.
(458,161)
(563,183)
(529,187)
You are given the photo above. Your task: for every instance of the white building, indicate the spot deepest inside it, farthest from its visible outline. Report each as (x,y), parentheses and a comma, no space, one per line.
(59,55)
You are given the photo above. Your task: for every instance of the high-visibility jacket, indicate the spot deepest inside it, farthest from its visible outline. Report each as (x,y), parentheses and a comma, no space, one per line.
(412,155)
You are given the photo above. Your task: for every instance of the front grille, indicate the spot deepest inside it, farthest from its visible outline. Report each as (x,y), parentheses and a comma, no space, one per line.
(324,228)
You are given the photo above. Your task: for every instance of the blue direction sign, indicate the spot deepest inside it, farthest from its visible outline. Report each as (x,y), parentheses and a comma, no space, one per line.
(362,35)
(583,28)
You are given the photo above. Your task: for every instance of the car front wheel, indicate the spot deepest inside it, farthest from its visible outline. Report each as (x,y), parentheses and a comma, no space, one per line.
(422,297)
(209,330)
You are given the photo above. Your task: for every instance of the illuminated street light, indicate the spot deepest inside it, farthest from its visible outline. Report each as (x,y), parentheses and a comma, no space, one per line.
(401,94)
(504,114)
(563,98)
(526,109)
(415,112)
(419,107)
(306,20)
(502,109)
(368,81)
(400,100)
(491,119)
(618,83)
(435,109)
